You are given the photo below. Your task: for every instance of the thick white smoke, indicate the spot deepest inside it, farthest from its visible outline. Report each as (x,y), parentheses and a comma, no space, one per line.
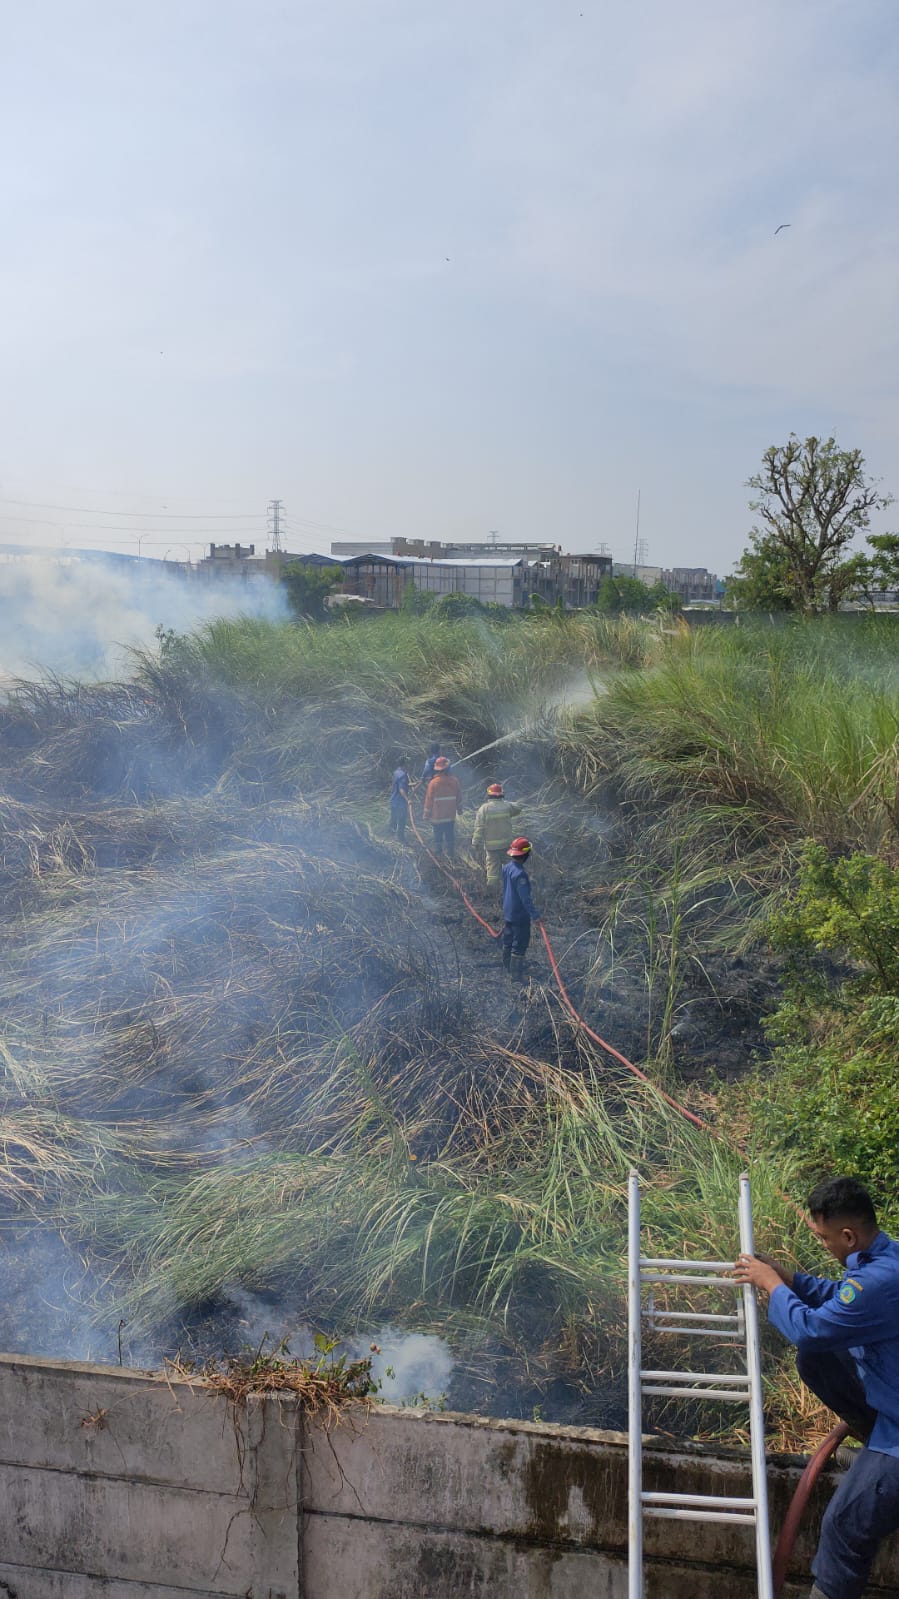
(78,618)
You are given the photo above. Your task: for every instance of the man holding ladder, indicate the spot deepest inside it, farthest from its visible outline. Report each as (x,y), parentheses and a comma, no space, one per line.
(846,1333)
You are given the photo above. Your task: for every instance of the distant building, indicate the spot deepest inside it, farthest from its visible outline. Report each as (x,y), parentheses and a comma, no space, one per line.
(694,585)
(229,554)
(385,578)
(277,562)
(232,562)
(347,550)
(491,578)
(650,575)
(435,550)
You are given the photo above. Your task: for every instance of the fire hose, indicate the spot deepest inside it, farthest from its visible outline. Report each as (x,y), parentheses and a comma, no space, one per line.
(819,1459)
(566,999)
(799,1502)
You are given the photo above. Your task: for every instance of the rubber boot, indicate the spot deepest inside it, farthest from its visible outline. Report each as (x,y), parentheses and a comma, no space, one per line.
(517,968)
(507,958)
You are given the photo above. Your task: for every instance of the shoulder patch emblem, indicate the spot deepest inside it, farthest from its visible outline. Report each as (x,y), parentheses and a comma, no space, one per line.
(847,1294)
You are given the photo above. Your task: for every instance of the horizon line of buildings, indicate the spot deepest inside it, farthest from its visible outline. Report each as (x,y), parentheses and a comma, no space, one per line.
(380,571)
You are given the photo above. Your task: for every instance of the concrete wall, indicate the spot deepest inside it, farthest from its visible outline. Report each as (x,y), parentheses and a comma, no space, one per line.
(118,1484)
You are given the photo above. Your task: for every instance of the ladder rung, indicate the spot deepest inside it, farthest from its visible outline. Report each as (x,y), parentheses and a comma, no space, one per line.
(694,1376)
(662,1514)
(699,1332)
(703,1265)
(698,1393)
(704,1501)
(696,1315)
(683,1277)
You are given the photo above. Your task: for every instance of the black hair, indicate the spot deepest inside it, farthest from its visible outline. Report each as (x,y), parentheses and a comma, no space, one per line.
(842,1199)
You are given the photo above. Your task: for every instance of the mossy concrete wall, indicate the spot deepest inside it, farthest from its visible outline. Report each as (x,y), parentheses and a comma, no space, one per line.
(119,1484)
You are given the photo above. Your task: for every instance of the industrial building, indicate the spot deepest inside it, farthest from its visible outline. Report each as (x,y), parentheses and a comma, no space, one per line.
(385,578)
(496,573)
(496,579)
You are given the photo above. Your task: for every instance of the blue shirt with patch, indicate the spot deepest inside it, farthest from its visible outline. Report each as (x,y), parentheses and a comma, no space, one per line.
(517,903)
(858,1313)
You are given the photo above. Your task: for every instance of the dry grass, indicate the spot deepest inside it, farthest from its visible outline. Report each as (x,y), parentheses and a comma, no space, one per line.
(324,1386)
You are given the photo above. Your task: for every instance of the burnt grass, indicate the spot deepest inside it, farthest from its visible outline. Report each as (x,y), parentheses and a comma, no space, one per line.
(72,760)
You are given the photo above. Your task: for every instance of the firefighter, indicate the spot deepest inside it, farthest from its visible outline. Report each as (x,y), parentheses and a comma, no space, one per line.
(399,800)
(518,908)
(846,1332)
(427,771)
(493,827)
(443,803)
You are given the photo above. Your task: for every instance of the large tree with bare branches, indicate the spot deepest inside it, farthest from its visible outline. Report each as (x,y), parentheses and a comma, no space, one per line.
(812,500)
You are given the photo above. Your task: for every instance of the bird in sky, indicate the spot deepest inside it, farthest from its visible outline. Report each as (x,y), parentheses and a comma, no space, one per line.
(782,225)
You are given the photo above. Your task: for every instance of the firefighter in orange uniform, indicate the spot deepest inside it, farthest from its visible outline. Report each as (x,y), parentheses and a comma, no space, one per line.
(443,803)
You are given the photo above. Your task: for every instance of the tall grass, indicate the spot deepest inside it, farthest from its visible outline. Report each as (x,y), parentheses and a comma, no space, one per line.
(730,748)
(783,729)
(233,1052)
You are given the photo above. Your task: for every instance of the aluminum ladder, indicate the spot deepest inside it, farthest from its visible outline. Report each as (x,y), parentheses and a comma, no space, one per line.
(738,1326)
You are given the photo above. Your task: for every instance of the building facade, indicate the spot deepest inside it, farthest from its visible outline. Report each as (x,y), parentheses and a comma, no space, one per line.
(572,580)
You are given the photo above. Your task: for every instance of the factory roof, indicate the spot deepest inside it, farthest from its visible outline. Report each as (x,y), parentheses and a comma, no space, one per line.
(439,560)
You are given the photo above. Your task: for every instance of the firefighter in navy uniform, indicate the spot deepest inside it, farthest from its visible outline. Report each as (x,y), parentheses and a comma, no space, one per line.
(846,1333)
(399,800)
(519,909)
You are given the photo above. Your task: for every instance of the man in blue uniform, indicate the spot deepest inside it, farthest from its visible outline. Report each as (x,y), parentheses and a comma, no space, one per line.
(427,771)
(399,800)
(846,1333)
(518,908)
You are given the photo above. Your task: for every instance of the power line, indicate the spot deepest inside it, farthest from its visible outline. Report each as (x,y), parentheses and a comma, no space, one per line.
(200,534)
(92,510)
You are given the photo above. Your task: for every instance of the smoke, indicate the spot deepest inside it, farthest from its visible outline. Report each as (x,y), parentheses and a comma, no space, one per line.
(408,1366)
(46,1306)
(79,617)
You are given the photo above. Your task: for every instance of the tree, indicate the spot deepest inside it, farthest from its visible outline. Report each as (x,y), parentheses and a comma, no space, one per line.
(663,599)
(812,500)
(309,586)
(883,564)
(416,602)
(627,596)
(761,580)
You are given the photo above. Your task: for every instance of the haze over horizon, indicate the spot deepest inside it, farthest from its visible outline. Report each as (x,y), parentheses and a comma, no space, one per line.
(438,271)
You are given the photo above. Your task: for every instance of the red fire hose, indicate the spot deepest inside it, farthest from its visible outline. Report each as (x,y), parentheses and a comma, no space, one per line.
(799,1502)
(566,1000)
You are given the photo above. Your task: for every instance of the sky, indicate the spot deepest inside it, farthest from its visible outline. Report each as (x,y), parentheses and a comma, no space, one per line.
(438,270)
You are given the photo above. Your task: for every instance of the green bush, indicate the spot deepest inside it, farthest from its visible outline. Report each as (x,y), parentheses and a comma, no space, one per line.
(829,1095)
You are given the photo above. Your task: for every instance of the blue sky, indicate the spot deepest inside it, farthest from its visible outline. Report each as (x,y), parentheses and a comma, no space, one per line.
(224,265)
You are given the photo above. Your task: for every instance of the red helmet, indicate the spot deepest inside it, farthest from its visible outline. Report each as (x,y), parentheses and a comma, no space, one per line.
(519,847)
(441,764)
(496,789)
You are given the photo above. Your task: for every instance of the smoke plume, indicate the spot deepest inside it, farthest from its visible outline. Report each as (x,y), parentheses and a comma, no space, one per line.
(79,617)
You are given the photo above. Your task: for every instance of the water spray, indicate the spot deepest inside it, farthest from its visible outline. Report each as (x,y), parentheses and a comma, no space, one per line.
(558,703)
(528,728)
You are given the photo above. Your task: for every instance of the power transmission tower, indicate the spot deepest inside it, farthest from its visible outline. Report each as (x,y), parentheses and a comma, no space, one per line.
(274,524)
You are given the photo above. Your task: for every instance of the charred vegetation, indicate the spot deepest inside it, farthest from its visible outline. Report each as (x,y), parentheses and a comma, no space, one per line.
(250,1046)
